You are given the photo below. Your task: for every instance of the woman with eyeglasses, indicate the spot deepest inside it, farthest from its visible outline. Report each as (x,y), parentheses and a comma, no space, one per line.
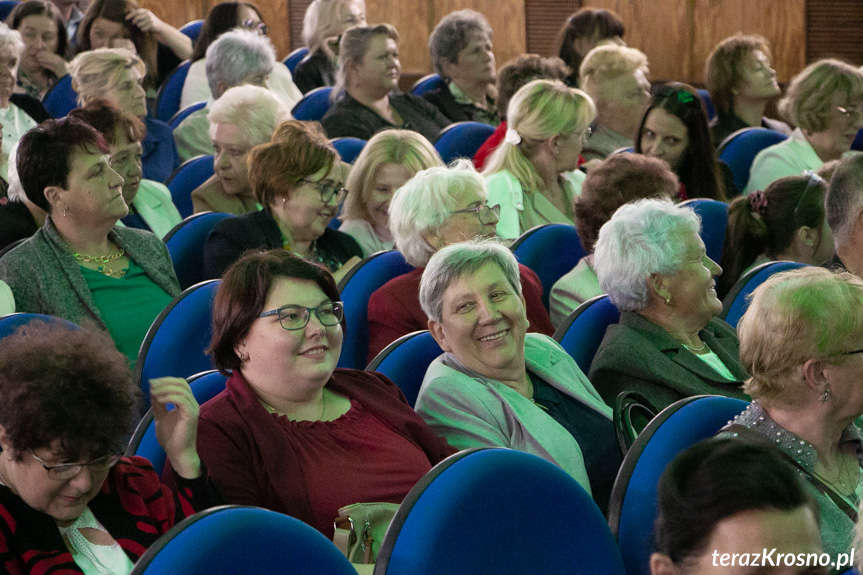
(438,207)
(221,18)
(69,502)
(291,432)
(784,222)
(298,180)
(824,102)
(675,129)
(533,175)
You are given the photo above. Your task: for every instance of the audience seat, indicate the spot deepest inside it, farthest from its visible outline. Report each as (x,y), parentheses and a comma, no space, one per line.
(582,332)
(205,386)
(176,342)
(406,360)
(708,103)
(737,299)
(293,59)
(632,509)
(427,84)
(186,245)
(314,105)
(185,179)
(714,220)
(348,148)
(192,29)
(61,98)
(6,7)
(551,251)
(12,246)
(168,97)
(241,539)
(857,145)
(462,140)
(740,148)
(496,510)
(178,118)
(356,288)
(10,323)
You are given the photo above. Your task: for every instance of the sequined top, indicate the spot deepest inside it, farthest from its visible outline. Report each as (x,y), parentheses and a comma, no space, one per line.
(837,529)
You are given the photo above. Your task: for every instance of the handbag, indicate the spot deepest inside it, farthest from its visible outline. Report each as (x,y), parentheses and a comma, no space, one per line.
(360,529)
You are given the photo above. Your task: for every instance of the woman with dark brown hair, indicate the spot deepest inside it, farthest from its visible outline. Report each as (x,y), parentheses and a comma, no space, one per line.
(584,31)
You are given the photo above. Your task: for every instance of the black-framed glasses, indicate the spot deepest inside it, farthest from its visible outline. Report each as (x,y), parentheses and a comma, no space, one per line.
(66,471)
(814,180)
(328,191)
(851,112)
(254,25)
(293,317)
(485,213)
(854,352)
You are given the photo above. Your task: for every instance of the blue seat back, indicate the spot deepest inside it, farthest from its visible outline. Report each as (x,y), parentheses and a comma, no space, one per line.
(295,57)
(186,245)
(6,7)
(405,361)
(708,104)
(356,288)
(348,148)
(427,84)
(192,29)
(551,251)
(462,140)
(314,105)
(170,93)
(632,509)
(247,540)
(178,118)
(582,332)
(714,220)
(736,300)
(10,323)
(61,98)
(188,176)
(205,386)
(857,145)
(740,148)
(176,342)
(453,521)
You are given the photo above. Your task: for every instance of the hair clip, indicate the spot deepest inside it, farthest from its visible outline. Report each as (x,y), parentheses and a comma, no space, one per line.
(758,202)
(512,137)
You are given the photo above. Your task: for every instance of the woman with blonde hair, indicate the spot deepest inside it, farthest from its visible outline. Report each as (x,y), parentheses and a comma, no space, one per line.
(532,174)
(117,75)
(389,160)
(323,25)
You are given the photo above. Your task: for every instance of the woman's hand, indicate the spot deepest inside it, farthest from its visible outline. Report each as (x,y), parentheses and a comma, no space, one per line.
(177,429)
(146,21)
(52,63)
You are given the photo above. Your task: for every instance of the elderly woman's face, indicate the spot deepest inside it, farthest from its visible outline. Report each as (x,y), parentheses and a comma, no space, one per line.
(463,225)
(63,499)
(128,93)
(844,120)
(691,288)
(39,33)
(229,159)
(388,179)
(757,78)
(310,205)
(8,71)
(475,62)
(380,68)
(483,322)
(306,357)
(126,161)
(94,191)
(353,13)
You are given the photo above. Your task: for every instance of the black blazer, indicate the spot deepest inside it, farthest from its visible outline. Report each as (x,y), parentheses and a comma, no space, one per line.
(232,237)
(314,71)
(444,101)
(638,355)
(349,118)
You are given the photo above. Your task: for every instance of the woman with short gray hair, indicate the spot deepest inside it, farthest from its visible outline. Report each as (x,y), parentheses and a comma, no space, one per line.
(14,119)
(437,207)
(461,52)
(496,385)
(669,343)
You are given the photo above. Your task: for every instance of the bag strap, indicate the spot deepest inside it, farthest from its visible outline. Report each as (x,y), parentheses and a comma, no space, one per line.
(343,535)
(840,501)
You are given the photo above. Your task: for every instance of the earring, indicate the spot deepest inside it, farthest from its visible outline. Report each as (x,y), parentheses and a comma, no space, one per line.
(826,395)
(243,356)
(64,211)
(667,301)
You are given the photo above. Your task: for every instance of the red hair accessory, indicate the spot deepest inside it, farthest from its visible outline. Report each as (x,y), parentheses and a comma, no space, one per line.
(758,202)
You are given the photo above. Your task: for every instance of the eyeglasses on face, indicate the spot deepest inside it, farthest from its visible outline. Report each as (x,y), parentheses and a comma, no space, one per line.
(585,136)
(66,471)
(850,112)
(485,213)
(328,191)
(293,317)
(254,25)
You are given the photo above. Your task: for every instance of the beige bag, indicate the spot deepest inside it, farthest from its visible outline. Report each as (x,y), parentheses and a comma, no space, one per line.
(360,529)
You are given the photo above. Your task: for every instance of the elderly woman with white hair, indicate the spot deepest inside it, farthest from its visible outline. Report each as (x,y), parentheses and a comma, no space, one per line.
(801,339)
(324,23)
(368,99)
(669,343)
(533,175)
(236,58)
(461,51)
(496,385)
(242,118)
(437,207)
(117,75)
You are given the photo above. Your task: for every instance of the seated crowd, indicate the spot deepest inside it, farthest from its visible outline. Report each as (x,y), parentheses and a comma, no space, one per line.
(581,140)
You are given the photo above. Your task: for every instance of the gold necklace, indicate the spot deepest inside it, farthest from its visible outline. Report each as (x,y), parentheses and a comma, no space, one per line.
(103,262)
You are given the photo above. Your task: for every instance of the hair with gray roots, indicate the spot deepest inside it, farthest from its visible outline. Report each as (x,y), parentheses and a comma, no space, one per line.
(256,111)
(640,239)
(236,56)
(452,34)
(845,198)
(459,260)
